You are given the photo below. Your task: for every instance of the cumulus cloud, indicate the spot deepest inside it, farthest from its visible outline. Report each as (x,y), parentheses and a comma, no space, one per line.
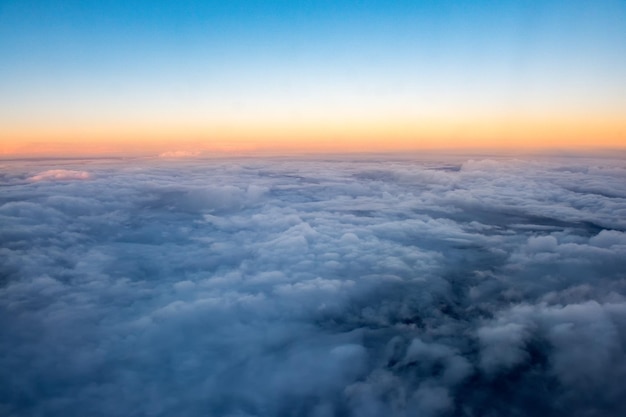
(313,287)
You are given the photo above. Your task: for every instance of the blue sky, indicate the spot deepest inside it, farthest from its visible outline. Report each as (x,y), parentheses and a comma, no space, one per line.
(129,62)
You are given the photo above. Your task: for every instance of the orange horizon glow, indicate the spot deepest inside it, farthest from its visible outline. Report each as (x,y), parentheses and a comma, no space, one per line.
(350,136)
(123,78)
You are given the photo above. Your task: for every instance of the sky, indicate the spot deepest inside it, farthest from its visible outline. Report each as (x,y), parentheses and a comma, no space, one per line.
(313,287)
(151,77)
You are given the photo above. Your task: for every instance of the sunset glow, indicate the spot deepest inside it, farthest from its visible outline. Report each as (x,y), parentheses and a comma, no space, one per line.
(149,77)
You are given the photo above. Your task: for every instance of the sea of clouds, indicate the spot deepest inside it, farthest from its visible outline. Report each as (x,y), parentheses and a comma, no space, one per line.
(282,287)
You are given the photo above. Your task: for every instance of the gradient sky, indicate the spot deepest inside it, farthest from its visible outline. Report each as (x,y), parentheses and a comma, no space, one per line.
(158,76)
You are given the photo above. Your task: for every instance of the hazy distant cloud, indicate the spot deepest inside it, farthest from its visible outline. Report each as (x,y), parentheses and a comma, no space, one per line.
(60,175)
(313,288)
(178,154)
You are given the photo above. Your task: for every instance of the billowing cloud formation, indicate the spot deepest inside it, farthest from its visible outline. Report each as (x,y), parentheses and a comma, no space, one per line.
(315,288)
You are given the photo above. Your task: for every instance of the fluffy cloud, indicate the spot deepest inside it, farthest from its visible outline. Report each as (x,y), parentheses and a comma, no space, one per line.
(313,287)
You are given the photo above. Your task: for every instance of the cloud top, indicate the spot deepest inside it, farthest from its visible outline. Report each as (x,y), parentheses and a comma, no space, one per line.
(314,288)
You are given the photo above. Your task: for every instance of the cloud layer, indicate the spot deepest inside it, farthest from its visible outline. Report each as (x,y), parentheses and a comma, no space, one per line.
(449,287)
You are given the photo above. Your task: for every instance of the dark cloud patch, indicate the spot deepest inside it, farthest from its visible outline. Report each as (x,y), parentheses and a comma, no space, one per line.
(313,288)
